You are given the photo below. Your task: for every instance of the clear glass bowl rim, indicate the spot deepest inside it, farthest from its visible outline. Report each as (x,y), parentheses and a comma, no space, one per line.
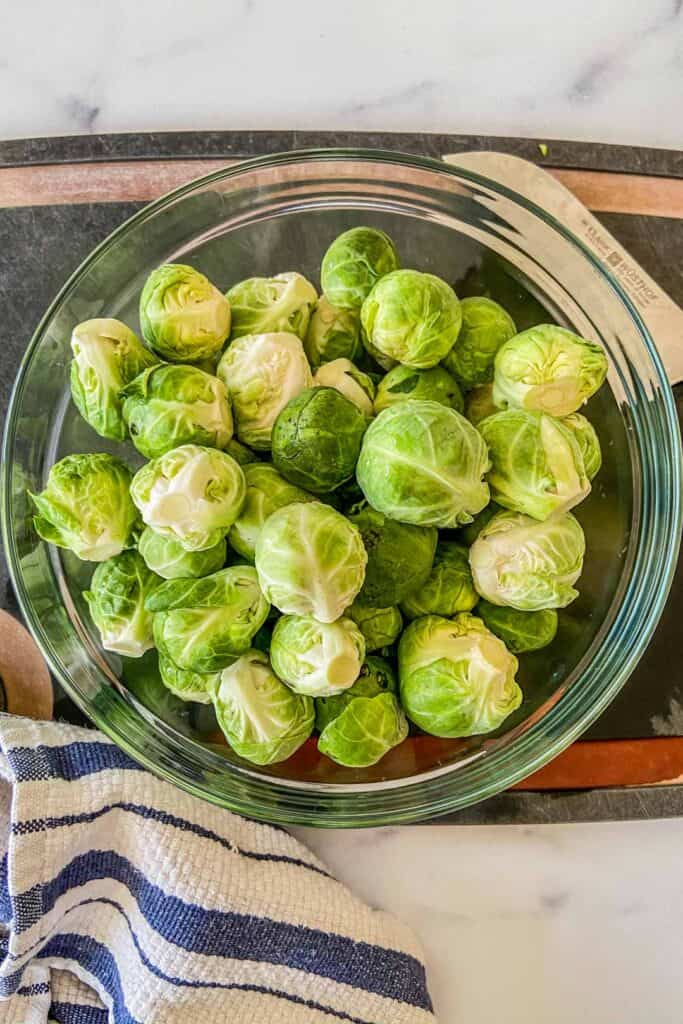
(414,799)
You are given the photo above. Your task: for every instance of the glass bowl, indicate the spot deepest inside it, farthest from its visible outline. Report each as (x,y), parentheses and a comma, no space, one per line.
(280,213)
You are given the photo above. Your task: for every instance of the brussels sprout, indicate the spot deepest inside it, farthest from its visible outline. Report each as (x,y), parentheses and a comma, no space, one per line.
(267,491)
(332,334)
(479,404)
(316,658)
(404,383)
(310,561)
(87,507)
(519,631)
(262,372)
(196,686)
(584,432)
(349,381)
(183,317)
(353,264)
(448,589)
(116,601)
(376,676)
(170,405)
(536,463)
(400,557)
(423,463)
(204,625)
(267,305)
(107,356)
(242,455)
(317,438)
(412,317)
(168,558)
(456,677)
(521,563)
(485,327)
(381,627)
(549,369)
(191,494)
(364,732)
(261,718)
(468,534)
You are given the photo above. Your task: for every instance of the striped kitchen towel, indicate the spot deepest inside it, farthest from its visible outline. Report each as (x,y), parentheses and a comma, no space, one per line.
(124,899)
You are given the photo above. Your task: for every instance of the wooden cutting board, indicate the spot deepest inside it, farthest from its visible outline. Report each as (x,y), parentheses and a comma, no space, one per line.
(59,197)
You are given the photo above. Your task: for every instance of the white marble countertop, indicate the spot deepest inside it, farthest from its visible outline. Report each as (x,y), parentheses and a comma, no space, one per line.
(608,71)
(545,924)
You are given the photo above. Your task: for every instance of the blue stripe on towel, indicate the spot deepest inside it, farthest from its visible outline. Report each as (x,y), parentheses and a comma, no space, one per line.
(5,899)
(234,986)
(77,1013)
(98,962)
(40,989)
(23,828)
(362,965)
(70,762)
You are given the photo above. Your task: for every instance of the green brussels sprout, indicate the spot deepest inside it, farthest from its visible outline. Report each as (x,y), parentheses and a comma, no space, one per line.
(448,589)
(479,404)
(422,463)
(584,432)
(404,383)
(536,463)
(468,534)
(204,625)
(549,369)
(381,627)
(242,455)
(316,658)
(332,334)
(316,439)
(267,491)
(353,264)
(87,507)
(116,601)
(107,356)
(349,381)
(191,494)
(519,631)
(456,677)
(272,305)
(364,732)
(411,317)
(521,563)
(376,676)
(310,560)
(400,557)
(183,317)
(262,372)
(169,405)
(187,685)
(167,557)
(485,327)
(261,718)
